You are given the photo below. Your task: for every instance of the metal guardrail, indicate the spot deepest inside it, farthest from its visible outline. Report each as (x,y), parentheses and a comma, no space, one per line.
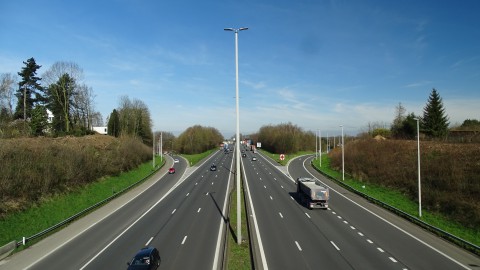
(83,212)
(445,235)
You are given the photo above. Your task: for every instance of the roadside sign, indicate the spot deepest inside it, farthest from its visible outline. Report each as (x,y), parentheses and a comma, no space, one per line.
(282,156)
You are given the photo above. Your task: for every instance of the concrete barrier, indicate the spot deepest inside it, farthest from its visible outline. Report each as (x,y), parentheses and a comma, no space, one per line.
(7,249)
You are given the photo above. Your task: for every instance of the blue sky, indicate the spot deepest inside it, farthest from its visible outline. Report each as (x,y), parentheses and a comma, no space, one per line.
(317,64)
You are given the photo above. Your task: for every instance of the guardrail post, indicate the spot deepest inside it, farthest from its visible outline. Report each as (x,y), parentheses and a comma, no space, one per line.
(23,241)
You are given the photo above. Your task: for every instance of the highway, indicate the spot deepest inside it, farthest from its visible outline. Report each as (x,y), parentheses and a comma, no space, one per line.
(349,235)
(183,217)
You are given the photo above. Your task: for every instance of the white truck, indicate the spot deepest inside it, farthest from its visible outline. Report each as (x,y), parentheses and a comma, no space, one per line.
(312,192)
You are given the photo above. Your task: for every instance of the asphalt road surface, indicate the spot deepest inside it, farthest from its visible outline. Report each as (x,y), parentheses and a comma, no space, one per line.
(183,217)
(351,234)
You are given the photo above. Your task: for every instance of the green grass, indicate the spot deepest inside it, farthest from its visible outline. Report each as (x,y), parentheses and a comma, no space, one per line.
(238,255)
(57,208)
(288,157)
(401,202)
(194,159)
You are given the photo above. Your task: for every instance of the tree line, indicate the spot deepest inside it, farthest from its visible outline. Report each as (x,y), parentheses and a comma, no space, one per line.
(285,138)
(60,91)
(434,123)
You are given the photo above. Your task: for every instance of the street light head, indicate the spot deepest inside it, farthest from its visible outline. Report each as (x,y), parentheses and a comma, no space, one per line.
(242,28)
(228,29)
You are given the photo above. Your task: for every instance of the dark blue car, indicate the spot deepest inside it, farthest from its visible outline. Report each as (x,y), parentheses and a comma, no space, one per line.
(147,258)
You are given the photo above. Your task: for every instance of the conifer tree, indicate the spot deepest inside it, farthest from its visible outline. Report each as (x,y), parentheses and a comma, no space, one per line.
(434,122)
(29,90)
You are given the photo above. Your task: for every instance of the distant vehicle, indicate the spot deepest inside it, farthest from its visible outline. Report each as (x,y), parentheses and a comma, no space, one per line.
(254,159)
(171,170)
(244,155)
(147,258)
(176,160)
(312,192)
(213,167)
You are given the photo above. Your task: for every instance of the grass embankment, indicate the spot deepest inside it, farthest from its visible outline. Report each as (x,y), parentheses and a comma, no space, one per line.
(238,255)
(400,201)
(195,158)
(62,206)
(288,157)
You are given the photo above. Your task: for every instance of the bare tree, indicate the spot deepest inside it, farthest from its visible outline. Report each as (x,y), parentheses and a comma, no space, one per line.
(7,91)
(58,69)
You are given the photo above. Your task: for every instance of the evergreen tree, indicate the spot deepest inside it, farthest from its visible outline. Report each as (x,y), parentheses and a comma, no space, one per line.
(114,124)
(39,121)
(434,122)
(29,90)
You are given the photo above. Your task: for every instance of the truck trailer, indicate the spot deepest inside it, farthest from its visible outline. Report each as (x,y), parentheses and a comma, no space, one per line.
(312,192)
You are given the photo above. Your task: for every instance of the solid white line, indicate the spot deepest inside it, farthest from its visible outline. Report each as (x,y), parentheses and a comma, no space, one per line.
(255,223)
(184,239)
(335,245)
(298,246)
(221,224)
(174,211)
(148,243)
(388,222)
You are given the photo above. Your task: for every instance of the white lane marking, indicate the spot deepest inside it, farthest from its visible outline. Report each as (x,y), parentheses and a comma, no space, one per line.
(212,183)
(335,245)
(271,198)
(206,194)
(307,215)
(346,222)
(392,259)
(184,239)
(292,198)
(369,241)
(275,179)
(221,226)
(187,194)
(359,233)
(282,186)
(265,186)
(148,242)
(384,220)
(199,210)
(280,213)
(339,217)
(381,250)
(298,246)
(174,211)
(260,179)
(351,227)
(196,183)
(333,212)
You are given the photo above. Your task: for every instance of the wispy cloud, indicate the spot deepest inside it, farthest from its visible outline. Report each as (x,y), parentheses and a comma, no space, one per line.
(418,84)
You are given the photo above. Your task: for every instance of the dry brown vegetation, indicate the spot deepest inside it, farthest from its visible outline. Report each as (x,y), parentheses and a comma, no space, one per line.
(450,173)
(34,168)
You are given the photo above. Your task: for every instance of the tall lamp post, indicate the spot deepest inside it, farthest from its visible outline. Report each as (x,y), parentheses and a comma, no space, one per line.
(343,156)
(237,135)
(418,158)
(320,148)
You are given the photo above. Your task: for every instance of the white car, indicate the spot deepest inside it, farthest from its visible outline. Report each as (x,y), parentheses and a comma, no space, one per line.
(254,159)
(176,161)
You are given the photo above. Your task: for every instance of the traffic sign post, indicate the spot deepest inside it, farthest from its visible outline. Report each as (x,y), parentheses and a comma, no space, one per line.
(282,156)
